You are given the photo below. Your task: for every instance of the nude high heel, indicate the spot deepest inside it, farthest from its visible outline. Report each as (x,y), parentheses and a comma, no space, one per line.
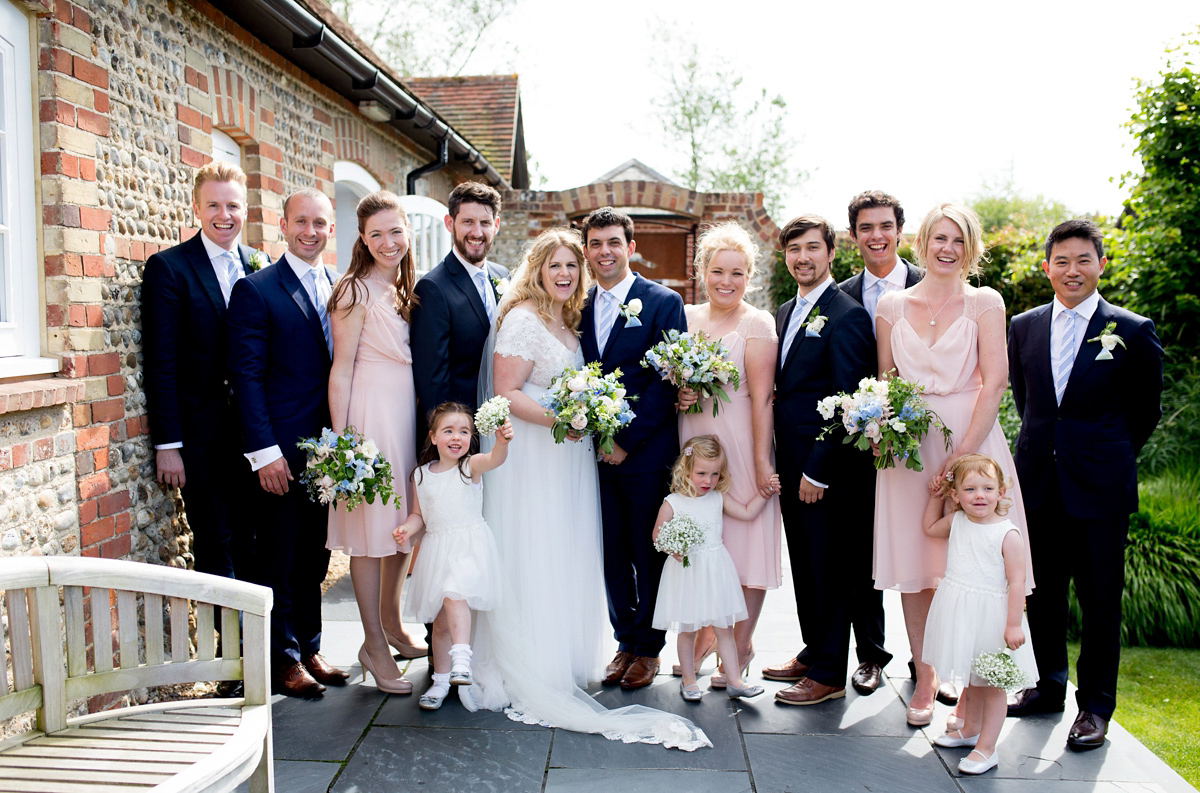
(397,685)
(405,649)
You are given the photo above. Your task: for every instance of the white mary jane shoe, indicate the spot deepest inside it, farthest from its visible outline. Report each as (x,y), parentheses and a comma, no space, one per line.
(969,766)
(949,741)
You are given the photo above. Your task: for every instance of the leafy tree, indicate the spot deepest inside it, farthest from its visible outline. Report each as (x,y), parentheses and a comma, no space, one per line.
(427,37)
(1000,204)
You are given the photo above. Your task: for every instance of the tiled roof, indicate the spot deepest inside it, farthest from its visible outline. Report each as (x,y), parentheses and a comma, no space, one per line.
(486,110)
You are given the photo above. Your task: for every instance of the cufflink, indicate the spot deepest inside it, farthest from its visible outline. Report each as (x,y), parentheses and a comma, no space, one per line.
(254,461)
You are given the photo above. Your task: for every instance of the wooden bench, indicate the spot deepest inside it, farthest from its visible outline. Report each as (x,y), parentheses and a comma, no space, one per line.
(54,606)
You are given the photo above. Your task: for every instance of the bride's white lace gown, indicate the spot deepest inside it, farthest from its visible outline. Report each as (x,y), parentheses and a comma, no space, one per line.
(535,651)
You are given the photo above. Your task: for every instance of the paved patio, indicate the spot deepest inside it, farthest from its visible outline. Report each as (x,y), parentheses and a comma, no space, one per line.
(357,740)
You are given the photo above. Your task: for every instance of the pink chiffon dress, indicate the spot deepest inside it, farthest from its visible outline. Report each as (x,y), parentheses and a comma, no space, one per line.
(753,544)
(382,409)
(905,558)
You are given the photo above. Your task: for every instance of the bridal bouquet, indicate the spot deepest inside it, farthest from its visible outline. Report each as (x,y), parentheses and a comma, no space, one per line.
(692,360)
(588,403)
(346,467)
(491,415)
(678,535)
(1000,670)
(888,411)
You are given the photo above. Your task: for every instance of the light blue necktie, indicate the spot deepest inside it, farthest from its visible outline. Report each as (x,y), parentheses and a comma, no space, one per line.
(482,285)
(322,311)
(1064,357)
(233,271)
(797,319)
(605,318)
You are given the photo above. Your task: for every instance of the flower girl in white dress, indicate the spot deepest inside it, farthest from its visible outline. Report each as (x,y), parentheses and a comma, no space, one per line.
(458,568)
(979,606)
(707,591)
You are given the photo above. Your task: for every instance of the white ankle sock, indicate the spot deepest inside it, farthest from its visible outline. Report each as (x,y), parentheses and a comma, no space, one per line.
(460,658)
(441,685)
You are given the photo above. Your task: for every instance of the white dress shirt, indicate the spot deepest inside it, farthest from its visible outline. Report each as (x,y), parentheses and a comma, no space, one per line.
(620,291)
(894,280)
(488,297)
(799,317)
(1083,315)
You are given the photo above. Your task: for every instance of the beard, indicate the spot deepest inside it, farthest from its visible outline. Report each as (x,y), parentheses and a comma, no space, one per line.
(460,245)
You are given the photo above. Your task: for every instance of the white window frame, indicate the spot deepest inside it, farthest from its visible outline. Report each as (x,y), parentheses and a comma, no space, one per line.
(21,304)
(430,239)
(225,148)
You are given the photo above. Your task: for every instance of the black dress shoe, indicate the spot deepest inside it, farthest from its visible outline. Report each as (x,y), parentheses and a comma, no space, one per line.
(1088,731)
(1033,700)
(866,678)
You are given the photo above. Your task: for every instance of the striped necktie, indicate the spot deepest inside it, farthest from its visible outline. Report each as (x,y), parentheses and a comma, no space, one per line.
(1064,356)
(233,271)
(604,320)
(797,319)
(322,311)
(482,285)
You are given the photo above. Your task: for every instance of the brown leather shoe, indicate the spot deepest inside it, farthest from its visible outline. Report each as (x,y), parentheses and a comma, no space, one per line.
(617,668)
(790,671)
(295,681)
(1088,731)
(324,672)
(640,673)
(807,691)
(866,678)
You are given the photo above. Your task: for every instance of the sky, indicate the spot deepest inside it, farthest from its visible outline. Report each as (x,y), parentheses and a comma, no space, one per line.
(926,100)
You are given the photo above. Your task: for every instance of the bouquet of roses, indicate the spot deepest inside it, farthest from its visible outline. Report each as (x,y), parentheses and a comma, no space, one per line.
(346,467)
(588,403)
(1000,670)
(678,535)
(888,411)
(692,360)
(491,415)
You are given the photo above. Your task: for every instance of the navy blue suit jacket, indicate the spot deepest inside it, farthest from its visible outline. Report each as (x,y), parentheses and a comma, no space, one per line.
(185,345)
(853,285)
(279,361)
(1108,411)
(816,367)
(651,440)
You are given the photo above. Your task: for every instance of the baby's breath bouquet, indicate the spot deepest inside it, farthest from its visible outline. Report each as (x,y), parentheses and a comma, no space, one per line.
(889,411)
(678,535)
(346,467)
(693,360)
(589,403)
(1000,670)
(491,415)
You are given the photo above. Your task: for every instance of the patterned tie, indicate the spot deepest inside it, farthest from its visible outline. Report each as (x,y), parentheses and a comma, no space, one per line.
(797,319)
(322,312)
(604,321)
(876,293)
(233,271)
(481,285)
(1064,357)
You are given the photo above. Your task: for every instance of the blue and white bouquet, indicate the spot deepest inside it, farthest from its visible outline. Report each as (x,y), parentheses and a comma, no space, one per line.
(346,467)
(692,360)
(888,411)
(587,402)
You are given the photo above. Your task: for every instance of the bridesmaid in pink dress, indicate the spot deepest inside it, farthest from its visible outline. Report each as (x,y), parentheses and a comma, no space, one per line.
(725,265)
(371,389)
(950,337)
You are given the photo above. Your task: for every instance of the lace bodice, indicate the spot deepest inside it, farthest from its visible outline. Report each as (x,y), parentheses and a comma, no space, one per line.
(976,303)
(706,511)
(523,335)
(448,503)
(974,558)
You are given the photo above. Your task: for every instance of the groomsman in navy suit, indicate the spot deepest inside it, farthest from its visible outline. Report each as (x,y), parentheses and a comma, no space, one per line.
(826,346)
(1088,404)
(193,421)
(876,222)
(457,305)
(626,315)
(280,352)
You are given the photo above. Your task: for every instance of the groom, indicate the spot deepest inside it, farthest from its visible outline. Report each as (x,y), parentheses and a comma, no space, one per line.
(1086,411)
(626,315)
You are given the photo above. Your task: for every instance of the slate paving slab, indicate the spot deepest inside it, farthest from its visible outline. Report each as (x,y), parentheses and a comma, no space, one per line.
(295,776)
(795,763)
(326,728)
(574,780)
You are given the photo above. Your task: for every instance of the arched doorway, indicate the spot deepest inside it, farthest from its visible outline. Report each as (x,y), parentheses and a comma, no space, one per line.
(352,183)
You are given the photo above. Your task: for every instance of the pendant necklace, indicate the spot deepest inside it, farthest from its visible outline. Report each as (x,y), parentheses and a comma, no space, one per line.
(933,314)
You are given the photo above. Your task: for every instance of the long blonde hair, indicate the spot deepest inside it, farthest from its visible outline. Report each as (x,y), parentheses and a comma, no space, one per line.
(972,231)
(527,283)
(361,260)
(707,447)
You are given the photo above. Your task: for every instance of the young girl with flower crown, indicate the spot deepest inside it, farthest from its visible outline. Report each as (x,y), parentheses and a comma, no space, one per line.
(978,607)
(459,566)
(707,591)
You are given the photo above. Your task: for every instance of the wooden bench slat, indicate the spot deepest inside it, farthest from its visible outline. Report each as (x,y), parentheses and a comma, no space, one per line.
(45,786)
(102,630)
(147,779)
(127,628)
(210,710)
(231,641)
(167,674)
(179,630)
(20,702)
(98,740)
(168,581)
(76,633)
(186,717)
(169,727)
(111,731)
(20,638)
(116,752)
(152,607)
(97,763)
(206,644)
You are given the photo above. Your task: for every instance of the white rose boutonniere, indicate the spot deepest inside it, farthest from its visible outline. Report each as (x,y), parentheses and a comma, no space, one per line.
(815,322)
(630,311)
(258,260)
(1108,339)
(500,285)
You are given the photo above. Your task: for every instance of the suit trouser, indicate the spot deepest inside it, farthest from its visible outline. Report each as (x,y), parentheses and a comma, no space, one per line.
(215,501)
(629,504)
(1092,551)
(866,602)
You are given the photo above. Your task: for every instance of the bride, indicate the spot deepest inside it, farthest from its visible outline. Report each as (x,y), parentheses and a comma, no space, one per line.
(536,651)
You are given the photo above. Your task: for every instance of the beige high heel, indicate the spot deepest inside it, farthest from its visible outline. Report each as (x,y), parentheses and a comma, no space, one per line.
(405,649)
(394,685)
(677,670)
(720,681)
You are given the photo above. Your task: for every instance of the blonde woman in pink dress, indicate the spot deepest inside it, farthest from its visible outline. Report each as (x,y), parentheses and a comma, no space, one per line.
(371,389)
(950,337)
(725,266)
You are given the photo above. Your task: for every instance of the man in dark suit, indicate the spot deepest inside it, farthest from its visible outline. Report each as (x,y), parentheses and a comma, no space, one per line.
(826,346)
(457,305)
(280,352)
(626,315)
(1088,404)
(185,292)
(876,223)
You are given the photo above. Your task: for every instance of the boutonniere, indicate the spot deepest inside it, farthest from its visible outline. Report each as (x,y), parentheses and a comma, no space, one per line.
(500,285)
(1108,339)
(258,260)
(630,311)
(815,322)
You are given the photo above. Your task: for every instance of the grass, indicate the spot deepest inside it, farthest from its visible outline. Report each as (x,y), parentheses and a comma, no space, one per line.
(1158,701)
